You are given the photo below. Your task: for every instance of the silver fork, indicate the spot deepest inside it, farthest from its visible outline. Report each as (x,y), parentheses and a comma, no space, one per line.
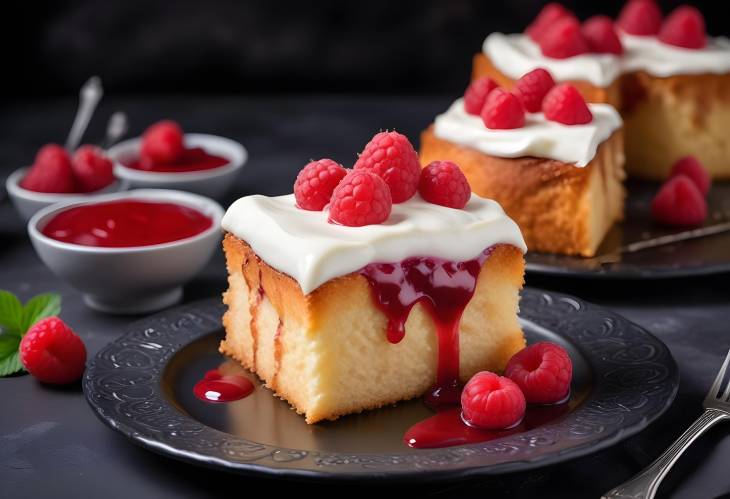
(717,407)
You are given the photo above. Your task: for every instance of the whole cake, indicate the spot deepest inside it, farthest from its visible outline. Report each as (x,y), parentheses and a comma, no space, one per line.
(669,80)
(342,299)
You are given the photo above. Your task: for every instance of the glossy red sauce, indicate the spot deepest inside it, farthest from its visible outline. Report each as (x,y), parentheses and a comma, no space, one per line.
(126,223)
(194,159)
(217,387)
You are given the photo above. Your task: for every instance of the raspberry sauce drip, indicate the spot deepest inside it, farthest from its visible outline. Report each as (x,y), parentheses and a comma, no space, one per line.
(444,288)
(194,159)
(127,223)
(216,387)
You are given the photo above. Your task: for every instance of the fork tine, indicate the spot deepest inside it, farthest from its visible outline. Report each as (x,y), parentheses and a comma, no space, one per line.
(715,389)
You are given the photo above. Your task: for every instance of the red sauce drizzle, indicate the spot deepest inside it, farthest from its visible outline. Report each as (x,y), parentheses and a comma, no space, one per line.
(194,159)
(126,223)
(216,387)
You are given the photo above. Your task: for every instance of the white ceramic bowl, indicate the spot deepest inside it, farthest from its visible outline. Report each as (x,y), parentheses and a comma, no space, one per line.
(212,183)
(28,202)
(130,280)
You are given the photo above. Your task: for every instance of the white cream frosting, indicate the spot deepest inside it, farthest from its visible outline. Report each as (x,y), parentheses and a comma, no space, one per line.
(516,54)
(539,137)
(304,245)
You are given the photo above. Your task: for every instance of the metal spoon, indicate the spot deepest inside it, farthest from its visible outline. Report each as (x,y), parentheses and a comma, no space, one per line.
(89,97)
(116,128)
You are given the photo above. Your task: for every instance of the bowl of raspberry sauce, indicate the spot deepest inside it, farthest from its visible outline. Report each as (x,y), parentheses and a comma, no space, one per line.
(128,252)
(208,165)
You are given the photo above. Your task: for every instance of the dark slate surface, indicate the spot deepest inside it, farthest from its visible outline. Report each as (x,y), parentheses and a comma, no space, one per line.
(52,445)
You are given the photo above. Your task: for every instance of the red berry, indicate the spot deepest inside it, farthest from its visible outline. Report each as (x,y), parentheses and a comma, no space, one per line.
(532,88)
(162,142)
(563,39)
(684,27)
(476,94)
(92,169)
(51,171)
(640,17)
(679,202)
(601,35)
(391,156)
(361,198)
(691,166)
(542,371)
(503,110)
(549,14)
(566,105)
(443,182)
(315,183)
(53,353)
(492,402)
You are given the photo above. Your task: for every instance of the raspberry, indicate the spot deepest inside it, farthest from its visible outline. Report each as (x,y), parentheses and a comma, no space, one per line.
(162,143)
(476,94)
(315,183)
(92,169)
(532,87)
(53,353)
(361,198)
(601,35)
(492,402)
(679,202)
(503,110)
(640,17)
(391,156)
(542,371)
(684,27)
(442,182)
(691,166)
(566,105)
(51,171)
(549,14)
(563,39)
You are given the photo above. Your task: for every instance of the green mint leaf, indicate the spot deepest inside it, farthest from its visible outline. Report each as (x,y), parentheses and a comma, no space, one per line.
(11,313)
(40,307)
(9,355)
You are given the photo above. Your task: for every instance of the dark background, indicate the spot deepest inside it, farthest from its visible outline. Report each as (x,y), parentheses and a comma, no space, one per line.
(272,46)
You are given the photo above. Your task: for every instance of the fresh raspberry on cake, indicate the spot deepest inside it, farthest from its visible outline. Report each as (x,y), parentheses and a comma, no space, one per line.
(532,88)
(679,202)
(563,39)
(92,169)
(691,166)
(640,17)
(492,402)
(601,35)
(549,14)
(391,156)
(503,110)
(476,94)
(162,142)
(543,372)
(684,27)
(315,183)
(51,171)
(565,104)
(52,352)
(443,183)
(361,198)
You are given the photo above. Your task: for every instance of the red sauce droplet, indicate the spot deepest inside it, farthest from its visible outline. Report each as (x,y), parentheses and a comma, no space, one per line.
(126,223)
(194,159)
(216,387)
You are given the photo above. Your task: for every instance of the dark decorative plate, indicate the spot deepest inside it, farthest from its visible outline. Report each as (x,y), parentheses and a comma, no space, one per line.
(706,255)
(141,386)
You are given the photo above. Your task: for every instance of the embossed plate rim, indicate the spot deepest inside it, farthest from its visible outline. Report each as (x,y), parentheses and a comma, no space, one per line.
(127,396)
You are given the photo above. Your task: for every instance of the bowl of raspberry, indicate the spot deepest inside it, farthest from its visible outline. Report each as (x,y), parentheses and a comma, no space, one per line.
(128,252)
(166,158)
(58,176)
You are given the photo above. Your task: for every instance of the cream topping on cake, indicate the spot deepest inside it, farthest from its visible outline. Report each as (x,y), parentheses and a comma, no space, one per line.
(304,245)
(516,54)
(539,137)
